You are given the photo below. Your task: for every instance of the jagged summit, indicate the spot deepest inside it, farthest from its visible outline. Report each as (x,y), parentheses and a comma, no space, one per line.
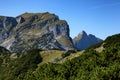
(34,30)
(83,40)
(83,32)
(80,35)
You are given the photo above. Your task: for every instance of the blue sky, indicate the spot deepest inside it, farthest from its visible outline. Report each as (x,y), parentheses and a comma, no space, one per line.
(98,17)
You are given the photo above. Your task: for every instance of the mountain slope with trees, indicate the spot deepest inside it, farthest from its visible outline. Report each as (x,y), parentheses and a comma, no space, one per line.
(90,65)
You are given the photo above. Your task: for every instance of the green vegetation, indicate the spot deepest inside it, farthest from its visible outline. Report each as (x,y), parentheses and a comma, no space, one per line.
(4,56)
(90,65)
(57,23)
(3,50)
(68,53)
(22,65)
(47,16)
(44,17)
(40,17)
(27,15)
(112,41)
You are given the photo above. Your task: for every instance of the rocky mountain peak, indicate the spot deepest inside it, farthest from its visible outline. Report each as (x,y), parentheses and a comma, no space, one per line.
(34,30)
(83,33)
(84,40)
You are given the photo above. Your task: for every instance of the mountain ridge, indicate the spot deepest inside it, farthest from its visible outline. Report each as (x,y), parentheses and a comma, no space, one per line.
(84,40)
(34,30)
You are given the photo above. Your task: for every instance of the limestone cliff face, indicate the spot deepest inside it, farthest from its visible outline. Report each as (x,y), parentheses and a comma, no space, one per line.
(6,26)
(83,41)
(34,30)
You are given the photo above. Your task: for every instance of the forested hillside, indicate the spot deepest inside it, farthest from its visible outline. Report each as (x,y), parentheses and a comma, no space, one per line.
(90,65)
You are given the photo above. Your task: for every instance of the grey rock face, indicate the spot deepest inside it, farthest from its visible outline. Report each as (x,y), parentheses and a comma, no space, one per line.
(83,41)
(7,24)
(20,19)
(40,30)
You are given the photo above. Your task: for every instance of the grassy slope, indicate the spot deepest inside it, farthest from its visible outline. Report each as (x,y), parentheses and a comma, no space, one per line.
(50,55)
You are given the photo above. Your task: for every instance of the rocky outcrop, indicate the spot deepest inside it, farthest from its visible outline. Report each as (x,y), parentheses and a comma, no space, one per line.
(83,41)
(34,30)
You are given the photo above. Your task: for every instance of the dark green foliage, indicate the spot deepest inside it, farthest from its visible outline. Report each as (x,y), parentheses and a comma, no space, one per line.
(28,61)
(4,56)
(3,50)
(4,59)
(89,66)
(113,40)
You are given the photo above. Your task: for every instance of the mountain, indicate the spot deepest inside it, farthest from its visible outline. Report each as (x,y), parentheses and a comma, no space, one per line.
(34,30)
(83,41)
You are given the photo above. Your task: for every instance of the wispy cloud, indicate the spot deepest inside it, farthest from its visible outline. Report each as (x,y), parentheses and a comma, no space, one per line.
(105,5)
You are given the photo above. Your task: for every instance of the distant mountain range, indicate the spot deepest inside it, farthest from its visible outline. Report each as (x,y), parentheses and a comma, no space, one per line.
(40,31)
(83,41)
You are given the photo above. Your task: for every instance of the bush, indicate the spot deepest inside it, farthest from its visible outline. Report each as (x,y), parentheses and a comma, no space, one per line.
(28,61)
(68,53)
